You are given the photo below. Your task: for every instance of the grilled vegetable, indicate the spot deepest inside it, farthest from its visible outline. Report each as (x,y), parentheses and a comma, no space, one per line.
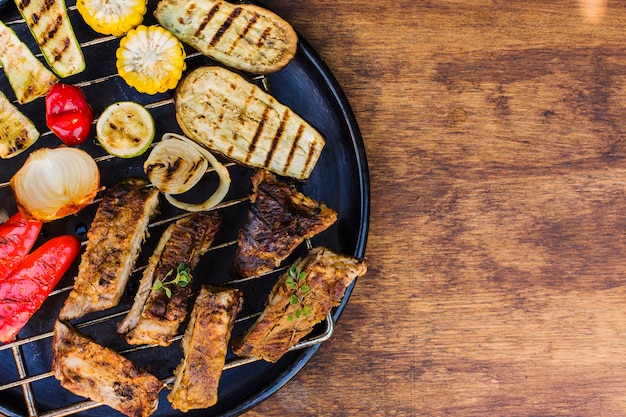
(28,286)
(227,114)
(176,164)
(150,59)
(125,129)
(17,237)
(54,183)
(68,114)
(51,27)
(17,132)
(112,17)
(29,78)
(242,36)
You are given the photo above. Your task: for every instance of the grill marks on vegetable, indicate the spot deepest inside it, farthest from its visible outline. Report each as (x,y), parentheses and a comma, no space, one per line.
(51,29)
(228,24)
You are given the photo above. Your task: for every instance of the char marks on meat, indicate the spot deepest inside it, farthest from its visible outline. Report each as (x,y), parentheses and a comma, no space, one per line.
(282,324)
(155,318)
(205,345)
(90,370)
(279,219)
(114,242)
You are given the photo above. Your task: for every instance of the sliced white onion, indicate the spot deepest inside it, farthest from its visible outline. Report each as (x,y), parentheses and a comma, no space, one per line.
(176,164)
(54,183)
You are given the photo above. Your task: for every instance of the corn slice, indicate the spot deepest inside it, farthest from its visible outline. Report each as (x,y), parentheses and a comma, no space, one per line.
(112,17)
(150,59)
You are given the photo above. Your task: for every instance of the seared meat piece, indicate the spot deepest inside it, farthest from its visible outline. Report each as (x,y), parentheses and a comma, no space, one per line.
(154,317)
(279,219)
(298,302)
(114,242)
(204,346)
(88,369)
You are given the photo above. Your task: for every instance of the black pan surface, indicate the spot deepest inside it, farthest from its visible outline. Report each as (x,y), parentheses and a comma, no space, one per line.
(340,179)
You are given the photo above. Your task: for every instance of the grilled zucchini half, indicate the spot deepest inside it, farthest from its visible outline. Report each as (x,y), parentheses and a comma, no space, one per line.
(51,27)
(17,132)
(28,76)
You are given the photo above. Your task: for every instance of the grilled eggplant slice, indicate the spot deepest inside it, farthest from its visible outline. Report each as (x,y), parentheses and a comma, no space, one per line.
(17,132)
(113,244)
(229,115)
(86,368)
(279,219)
(29,78)
(205,344)
(242,36)
(154,317)
(51,27)
(301,298)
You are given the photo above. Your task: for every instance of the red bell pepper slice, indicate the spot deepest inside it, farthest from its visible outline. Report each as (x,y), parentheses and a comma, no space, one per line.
(23,292)
(17,237)
(68,114)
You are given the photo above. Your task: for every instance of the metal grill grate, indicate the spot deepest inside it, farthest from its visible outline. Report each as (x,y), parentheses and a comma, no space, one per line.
(25,379)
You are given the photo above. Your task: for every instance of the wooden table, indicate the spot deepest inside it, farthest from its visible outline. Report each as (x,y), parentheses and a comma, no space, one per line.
(497,251)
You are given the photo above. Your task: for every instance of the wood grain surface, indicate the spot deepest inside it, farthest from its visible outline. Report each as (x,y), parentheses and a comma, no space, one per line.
(495,135)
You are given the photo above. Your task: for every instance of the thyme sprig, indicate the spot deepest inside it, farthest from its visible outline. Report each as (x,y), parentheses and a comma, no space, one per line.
(181,279)
(296,281)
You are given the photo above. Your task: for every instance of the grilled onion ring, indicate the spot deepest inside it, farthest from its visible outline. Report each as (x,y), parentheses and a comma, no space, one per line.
(176,164)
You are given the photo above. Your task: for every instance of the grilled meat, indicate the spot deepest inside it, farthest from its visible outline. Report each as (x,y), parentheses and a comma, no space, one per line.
(154,318)
(279,219)
(229,115)
(298,302)
(114,242)
(242,36)
(205,344)
(88,369)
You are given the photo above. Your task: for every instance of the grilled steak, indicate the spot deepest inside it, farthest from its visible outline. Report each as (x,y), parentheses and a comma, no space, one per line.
(242,36)
(88,369)
(154,318)
(205,344)
(114,242)
(298,302)
(229,115)
(279,219)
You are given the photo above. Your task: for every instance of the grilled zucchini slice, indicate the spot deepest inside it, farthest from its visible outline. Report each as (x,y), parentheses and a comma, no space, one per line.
(29,78)
(51,27)
(17,132)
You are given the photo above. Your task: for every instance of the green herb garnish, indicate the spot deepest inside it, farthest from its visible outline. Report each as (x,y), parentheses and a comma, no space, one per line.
(181,279)
(295,281)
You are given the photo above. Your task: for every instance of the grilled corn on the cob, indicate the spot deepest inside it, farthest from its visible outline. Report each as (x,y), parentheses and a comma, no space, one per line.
(112,17)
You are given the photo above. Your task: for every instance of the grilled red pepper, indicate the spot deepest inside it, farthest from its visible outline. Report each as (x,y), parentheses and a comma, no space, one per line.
(28,286)
(17,237)
(68,114)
